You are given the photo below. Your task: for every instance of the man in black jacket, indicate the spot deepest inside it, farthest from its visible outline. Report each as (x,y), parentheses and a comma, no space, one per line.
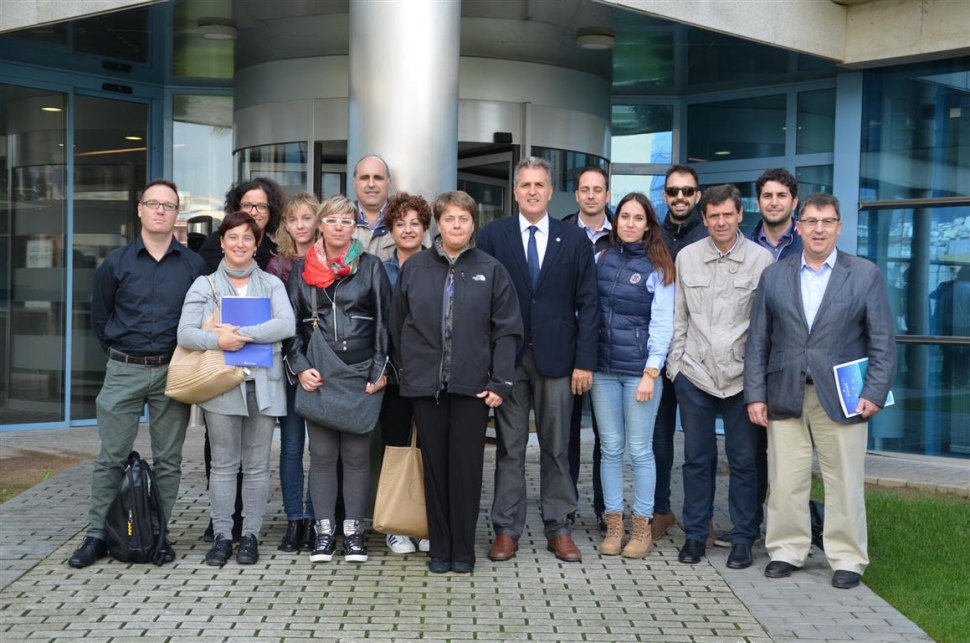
(595,219)
(681,227)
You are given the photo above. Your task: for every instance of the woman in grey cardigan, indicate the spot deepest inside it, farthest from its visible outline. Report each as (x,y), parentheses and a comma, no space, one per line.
(241,420)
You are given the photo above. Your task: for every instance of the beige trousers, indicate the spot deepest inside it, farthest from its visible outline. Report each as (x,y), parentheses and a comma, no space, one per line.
(841,451)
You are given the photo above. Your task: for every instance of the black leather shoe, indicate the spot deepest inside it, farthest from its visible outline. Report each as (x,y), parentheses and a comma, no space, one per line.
(88,552)
(780,569)
(293,536)
(439,566)
(740,557)
(248,552)
(844,579)
(168,554)
(208,535)
(692,552)
(220,552)
(601,523)
(463,568)
(309,535)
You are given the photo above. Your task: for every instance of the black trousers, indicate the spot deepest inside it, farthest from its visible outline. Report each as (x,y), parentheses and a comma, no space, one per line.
(452,434)
(575,437)
(396,417)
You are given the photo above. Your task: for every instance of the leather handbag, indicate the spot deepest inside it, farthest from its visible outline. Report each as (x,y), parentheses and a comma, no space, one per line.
(400,504)
(196,376)
(341,403)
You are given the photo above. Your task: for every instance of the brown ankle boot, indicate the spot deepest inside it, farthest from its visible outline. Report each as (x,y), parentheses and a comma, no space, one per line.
(614,534)
(641,541)
(661,523)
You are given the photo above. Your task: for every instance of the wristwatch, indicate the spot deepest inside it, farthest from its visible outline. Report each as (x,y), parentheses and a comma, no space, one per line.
(652,371)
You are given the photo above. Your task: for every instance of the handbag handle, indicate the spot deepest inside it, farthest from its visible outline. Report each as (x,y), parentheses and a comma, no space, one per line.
(414,435)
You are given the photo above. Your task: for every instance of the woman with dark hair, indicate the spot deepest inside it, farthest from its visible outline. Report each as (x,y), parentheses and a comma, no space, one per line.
(636,293)
(240,421)
(407,218)
(295,236)
(455,327)
(341,297)
(262,199)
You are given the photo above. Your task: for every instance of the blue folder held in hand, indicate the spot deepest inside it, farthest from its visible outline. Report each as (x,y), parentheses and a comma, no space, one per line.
(248,311)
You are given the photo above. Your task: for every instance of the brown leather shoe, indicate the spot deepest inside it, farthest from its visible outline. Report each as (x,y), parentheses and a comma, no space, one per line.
(503,548)
(565,549)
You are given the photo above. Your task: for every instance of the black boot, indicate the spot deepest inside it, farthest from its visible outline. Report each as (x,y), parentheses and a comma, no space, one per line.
(309,535)
(293,536)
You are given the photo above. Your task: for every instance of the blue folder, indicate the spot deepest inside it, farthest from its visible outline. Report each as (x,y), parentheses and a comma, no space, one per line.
(248,311)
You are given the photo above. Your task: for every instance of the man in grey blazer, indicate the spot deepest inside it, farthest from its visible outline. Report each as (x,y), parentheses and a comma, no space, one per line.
(813,311)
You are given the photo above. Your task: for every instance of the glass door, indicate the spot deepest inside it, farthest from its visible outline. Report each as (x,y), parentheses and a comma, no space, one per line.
(110,169)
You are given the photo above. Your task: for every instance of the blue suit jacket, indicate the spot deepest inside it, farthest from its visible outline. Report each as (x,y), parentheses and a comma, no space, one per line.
(561,315)
(853,321)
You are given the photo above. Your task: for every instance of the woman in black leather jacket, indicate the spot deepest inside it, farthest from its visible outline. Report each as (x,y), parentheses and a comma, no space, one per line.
(344,293)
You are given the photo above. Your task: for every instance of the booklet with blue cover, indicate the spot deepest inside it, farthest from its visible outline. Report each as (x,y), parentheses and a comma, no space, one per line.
(248,311)
(849,379)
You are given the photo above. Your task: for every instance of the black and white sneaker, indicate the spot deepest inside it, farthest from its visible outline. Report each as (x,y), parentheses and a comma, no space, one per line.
(324,544)
(354,549)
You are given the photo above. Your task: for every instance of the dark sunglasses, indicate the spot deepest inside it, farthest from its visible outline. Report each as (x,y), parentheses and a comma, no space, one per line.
(686,190)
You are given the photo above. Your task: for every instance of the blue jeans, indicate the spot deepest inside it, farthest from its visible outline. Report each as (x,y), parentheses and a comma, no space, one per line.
(292,440)
(624,422)
(698,411)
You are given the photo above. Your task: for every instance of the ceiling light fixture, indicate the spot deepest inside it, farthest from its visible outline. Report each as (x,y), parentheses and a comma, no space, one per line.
(213,28)
(51,109)
(595,38)
(722,153)
(133,138)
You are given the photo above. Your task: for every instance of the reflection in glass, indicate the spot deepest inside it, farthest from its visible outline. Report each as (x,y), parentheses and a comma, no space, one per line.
(566,168)
(652,186)
(816,121)
(718,58)
(643,56)
(33,220)
(110,169)
(916,131)
(285,163)
(736,129)
(814,179)
(642,134)
(201,156)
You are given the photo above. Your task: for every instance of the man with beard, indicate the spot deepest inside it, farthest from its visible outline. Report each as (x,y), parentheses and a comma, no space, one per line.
(681,227)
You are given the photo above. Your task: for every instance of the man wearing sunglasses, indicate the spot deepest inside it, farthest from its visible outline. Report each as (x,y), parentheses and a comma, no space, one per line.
(681,227)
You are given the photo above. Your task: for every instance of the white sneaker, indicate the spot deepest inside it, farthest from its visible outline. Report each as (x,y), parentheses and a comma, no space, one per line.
(400,544)
(423,544)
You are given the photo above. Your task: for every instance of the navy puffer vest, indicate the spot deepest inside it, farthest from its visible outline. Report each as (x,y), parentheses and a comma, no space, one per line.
(624,309)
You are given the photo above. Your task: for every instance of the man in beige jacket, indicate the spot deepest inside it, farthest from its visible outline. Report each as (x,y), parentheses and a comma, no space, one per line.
(716,281)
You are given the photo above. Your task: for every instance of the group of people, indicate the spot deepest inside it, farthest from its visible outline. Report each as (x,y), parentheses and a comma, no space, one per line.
(646,316)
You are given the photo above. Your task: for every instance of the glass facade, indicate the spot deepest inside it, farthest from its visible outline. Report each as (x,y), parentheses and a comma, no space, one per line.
(285,163)
(746,128)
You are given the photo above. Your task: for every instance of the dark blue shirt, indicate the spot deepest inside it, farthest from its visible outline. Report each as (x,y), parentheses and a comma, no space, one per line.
(136,301)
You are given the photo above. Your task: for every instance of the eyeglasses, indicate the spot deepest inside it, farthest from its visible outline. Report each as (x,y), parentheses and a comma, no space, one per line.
(332,221)
(262,208)
(154,205)
(674,190)
(827,222)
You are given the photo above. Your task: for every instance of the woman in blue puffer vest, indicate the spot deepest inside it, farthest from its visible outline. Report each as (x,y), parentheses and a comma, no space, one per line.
(636,291)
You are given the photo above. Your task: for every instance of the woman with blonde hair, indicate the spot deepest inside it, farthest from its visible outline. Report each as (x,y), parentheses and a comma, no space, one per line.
(296,235)
(341,296)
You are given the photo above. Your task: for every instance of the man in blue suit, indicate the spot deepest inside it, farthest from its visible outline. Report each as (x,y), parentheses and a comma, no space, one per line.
(551,265)
(813,311)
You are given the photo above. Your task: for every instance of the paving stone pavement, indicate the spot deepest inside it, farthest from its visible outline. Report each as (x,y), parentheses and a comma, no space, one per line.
(284,596)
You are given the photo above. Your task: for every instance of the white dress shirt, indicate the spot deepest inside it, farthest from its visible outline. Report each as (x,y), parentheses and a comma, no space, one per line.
(542,236)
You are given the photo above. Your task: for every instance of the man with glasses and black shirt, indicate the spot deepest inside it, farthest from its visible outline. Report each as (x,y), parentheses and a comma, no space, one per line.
(681,227)
(136,302)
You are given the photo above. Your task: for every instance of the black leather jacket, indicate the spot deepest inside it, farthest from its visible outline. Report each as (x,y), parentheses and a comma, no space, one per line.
(354,321)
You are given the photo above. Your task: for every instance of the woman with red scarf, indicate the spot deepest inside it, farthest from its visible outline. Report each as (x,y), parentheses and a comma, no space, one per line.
(341,294)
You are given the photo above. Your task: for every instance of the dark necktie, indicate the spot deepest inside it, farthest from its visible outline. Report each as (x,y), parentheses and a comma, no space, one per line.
(532,256)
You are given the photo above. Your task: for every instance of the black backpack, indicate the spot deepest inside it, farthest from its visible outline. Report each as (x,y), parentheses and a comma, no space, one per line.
(135,525)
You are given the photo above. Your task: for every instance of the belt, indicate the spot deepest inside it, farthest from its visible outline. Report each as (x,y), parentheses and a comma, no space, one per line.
(146,360)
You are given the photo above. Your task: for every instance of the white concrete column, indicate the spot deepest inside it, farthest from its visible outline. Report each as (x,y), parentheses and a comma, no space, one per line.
(403,106)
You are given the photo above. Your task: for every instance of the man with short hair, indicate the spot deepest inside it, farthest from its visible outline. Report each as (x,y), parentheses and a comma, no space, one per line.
(813,311)
(372,185)
(716,280)
(681,227)
(551,265)
(136,303)
(595,219)
(776,232)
